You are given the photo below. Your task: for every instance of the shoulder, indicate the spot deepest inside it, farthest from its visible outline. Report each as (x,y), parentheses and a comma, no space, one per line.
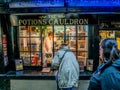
(94,83)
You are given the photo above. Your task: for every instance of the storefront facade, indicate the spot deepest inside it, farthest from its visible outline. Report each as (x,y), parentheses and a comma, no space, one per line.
(82,28)
(31,31)
(24,30)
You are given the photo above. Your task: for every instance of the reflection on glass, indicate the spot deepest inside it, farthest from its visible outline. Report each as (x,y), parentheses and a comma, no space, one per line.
(47,46)
(30,42)
(58,36)
(71,37)
(36,59)
(40,43)
(82,45)
(82,59)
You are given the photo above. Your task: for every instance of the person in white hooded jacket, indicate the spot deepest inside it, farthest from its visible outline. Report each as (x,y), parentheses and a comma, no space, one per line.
(68,68)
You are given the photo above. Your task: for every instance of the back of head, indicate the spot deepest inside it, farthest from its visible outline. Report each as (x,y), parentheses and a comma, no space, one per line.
(64,44)
(110,49)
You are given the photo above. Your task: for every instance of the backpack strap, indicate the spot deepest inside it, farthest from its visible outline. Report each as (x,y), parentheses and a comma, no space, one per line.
(63,56)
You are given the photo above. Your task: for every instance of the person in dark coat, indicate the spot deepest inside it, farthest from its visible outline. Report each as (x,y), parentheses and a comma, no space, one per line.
(107,76)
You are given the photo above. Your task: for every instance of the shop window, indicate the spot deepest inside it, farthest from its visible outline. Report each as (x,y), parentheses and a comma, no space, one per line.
(38,48)
(30,45)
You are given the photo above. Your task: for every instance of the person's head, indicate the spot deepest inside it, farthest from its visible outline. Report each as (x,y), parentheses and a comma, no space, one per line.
(50,34)
(109,49)
(63,44)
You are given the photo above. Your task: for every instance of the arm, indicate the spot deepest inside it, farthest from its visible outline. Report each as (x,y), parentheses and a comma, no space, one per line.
(94,83)
(55,62)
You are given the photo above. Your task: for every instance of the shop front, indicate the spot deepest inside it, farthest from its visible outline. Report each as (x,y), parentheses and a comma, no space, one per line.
(36,48)
(34,35)
(37,38)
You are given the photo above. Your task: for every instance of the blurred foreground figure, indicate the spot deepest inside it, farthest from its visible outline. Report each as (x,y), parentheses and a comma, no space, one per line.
(107,76)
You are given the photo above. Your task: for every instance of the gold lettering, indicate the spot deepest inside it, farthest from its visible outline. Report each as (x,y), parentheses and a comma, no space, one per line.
(24,22)
(20,21)
(44,21)
(76,21)
(40,21)
(61,21)
(65,21)
(71,21)
(56,21)
(29,22)
(50,21)
(83,21)
(53,21)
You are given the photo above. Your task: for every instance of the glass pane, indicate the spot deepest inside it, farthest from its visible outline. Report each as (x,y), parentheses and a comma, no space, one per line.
(82,37)
(82,46)
(35,31)
(29,43)
(71,37)
(23,42)
(58,37)
(82,28)
(36,58)
(23,31)
(72,44)
(47,44)
(82,58)
(70,30)
(26,58)
(35,44)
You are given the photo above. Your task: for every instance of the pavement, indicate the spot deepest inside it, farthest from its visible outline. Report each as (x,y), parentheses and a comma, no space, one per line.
(41,85)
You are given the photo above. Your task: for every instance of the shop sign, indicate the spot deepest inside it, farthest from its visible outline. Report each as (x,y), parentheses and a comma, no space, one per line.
(53,20)
(109,21)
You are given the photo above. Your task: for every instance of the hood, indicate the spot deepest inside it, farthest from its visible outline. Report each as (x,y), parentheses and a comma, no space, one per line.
(65,48)
(116,63)
(109,63)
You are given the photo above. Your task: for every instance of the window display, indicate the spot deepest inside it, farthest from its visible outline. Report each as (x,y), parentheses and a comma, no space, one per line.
(38,44)
(30,45)
(47,45)
(82,45)
(4,46)
(58,36)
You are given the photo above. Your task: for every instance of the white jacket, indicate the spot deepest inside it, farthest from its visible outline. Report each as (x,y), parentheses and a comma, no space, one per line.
(47,45)
(68,72)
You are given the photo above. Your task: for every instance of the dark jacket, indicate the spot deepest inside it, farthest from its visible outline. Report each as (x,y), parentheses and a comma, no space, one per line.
(107,77)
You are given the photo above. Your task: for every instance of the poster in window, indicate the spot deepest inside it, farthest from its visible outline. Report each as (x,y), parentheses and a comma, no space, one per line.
(81,45)
(89,64)
(19,64)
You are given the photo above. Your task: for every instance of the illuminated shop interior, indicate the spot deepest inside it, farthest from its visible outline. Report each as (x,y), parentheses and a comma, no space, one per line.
(67,28)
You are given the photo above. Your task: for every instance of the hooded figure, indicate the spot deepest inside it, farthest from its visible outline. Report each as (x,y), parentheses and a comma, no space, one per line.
(68,68)
(107,76)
